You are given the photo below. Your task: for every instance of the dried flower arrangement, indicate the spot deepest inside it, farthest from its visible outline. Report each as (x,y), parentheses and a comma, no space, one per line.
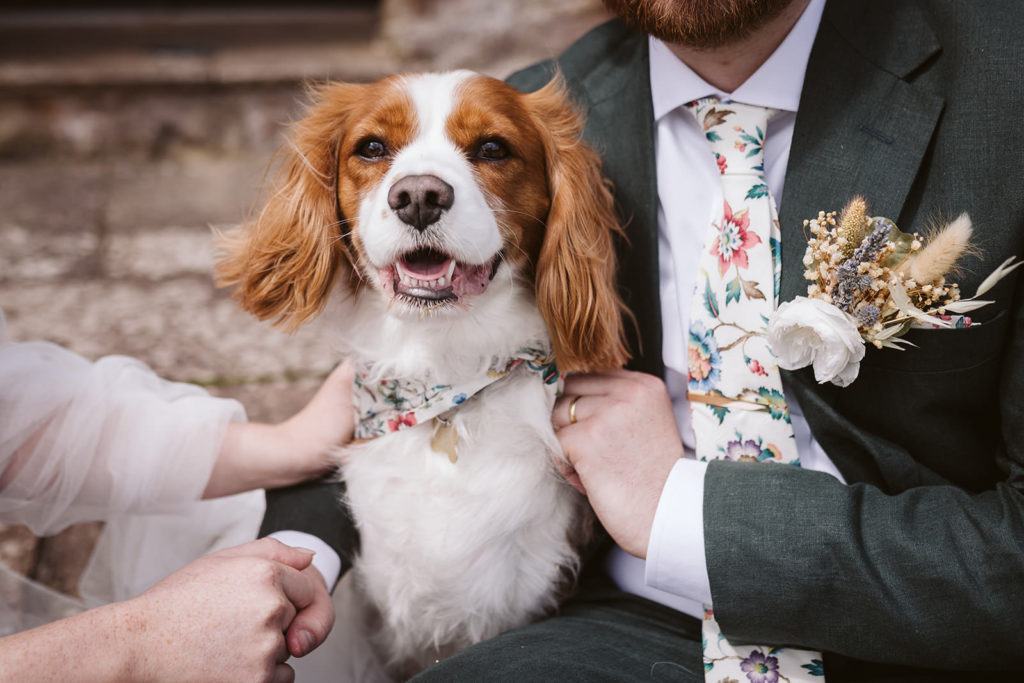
(871,282)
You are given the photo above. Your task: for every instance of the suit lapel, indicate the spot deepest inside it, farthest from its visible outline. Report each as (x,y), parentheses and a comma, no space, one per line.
(620,124)
(861,128)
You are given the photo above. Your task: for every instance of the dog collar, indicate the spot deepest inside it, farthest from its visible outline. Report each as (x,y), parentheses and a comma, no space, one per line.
(384,406)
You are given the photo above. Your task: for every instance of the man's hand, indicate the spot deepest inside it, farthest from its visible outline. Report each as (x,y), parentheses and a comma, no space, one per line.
(225,616)
(621,448)
(220,618)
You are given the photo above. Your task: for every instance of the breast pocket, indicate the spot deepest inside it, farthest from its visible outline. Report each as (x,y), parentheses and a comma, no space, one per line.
(944,350)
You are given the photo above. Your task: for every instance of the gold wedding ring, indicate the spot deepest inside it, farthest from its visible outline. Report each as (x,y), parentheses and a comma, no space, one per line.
(572,410)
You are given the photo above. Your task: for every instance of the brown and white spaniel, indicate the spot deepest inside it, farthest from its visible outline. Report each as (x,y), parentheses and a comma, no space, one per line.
(451,232)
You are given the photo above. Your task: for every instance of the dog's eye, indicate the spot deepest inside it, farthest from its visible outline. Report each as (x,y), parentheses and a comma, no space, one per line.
(371,148)
(492,150)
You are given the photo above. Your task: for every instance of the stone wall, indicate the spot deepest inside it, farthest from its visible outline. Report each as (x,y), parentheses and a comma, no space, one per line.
(115,165)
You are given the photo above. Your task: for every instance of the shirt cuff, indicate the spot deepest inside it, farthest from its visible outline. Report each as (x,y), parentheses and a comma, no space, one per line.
(327,562)
(675,552)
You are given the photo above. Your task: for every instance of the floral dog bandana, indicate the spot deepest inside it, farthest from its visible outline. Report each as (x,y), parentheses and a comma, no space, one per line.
(390,405)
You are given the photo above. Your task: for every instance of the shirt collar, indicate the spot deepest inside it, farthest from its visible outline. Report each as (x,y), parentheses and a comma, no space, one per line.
(776,84)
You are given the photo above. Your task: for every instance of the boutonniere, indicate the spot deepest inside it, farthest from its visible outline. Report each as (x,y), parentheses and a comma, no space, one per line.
(869,284)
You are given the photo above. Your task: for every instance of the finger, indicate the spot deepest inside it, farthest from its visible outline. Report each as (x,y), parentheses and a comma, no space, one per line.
(560,413)
(313,623)
(299,587)
(337,388)
(343,372)
(595,382)
(569,473)
(564,463)
(283,674)
(271,549)
(346,372)
(281,653)
(573,478)
(586,407)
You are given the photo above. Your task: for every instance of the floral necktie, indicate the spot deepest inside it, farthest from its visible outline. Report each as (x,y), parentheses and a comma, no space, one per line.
(735,390)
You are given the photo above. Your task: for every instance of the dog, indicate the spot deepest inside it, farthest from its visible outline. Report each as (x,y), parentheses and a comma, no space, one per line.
(457,238)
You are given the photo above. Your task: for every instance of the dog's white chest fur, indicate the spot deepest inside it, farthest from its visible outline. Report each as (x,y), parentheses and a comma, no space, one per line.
(452,553)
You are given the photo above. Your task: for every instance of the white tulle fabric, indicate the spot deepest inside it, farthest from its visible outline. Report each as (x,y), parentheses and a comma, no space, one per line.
(83,441)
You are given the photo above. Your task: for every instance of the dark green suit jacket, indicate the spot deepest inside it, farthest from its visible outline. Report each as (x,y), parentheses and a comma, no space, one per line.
(920,559)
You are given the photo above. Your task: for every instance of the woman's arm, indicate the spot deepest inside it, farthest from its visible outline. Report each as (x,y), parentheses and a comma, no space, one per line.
(254,455)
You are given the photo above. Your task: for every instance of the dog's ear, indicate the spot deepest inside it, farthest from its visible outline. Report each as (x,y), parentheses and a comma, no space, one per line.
(576,270)
(284,263)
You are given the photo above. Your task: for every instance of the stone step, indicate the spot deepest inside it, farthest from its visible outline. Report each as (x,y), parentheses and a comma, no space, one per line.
(146,123)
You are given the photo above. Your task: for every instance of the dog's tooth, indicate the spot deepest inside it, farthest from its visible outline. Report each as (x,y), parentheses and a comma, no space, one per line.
(451,269)
(441,281)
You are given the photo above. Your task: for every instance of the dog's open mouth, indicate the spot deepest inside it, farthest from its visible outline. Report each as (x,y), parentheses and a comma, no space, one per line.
(427,277)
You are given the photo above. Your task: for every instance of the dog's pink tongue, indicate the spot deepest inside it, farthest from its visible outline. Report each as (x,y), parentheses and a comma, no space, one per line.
(425,269)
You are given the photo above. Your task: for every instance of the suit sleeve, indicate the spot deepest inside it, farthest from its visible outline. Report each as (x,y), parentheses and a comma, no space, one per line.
(927,574)
(316,508)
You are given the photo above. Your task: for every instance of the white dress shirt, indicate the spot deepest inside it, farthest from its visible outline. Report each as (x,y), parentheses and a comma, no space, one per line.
(689,199)
(690,196)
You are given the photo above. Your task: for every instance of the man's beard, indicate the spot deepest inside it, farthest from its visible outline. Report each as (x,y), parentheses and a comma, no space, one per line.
(697,23)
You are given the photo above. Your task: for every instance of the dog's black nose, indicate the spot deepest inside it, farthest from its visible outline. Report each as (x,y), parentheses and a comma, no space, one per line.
(419,199)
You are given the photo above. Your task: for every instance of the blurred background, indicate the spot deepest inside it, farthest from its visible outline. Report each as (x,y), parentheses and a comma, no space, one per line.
(128,128)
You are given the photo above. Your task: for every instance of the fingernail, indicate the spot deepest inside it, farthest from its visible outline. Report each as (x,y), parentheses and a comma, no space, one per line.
(306,641)
(304,550)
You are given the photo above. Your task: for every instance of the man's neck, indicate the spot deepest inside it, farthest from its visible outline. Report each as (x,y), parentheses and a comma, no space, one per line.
(729,66)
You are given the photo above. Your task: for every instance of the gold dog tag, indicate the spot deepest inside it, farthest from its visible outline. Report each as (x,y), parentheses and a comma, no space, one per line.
(445,438)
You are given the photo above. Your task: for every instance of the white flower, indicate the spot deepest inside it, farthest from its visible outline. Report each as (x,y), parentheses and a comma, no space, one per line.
(806,332)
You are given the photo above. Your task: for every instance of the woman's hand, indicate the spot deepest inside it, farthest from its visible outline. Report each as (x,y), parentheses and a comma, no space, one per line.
(255,455)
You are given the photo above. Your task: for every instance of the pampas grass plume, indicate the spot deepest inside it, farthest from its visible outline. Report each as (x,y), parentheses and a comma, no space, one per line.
(941,251)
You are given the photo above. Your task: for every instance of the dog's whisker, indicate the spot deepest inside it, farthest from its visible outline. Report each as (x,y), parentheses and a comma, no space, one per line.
(539,221)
